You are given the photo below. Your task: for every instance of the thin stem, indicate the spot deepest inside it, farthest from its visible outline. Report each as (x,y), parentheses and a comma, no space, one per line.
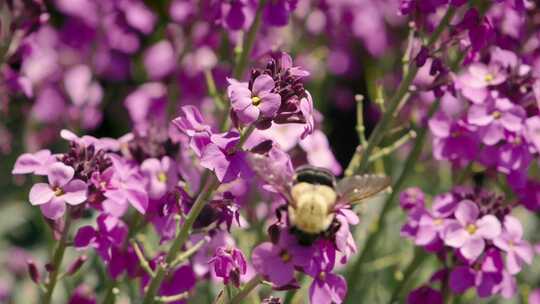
(188,253)
(243,57)
(169,299)
(181,239)
(212,90)
(420,257)
(384,123)
(58,256)
(410,162)
(360,126)
(246,290)
(142,259)
(393,147)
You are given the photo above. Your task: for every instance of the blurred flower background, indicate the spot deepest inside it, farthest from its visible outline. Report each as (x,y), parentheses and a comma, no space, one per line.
(148,147)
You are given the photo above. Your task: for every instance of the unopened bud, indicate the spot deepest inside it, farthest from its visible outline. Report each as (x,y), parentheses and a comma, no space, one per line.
(33,271)
(76,265)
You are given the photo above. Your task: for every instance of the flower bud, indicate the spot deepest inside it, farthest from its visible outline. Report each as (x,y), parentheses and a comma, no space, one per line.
(33,271)
(76,265)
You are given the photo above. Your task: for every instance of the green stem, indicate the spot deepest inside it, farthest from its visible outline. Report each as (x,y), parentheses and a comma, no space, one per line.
(420,257)
(414,155)
(246,290)
(180,240)
(243,58)
(56,263)
(212,90)
(183,235)
(397,98)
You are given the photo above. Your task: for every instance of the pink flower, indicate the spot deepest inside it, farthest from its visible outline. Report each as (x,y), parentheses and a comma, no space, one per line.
(510,240)
(36,163)
(251,101)
(61,189)
(468,232)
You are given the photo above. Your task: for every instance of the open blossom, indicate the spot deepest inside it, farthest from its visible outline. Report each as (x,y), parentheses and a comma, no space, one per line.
(510,240)
(468,232)
(62,189)
(277,261)
(475,82)
(250,103)
(327,287)
(162,175)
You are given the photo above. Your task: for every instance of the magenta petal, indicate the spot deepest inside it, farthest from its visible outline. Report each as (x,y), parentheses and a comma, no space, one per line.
(54,210)
(84,236)
(466,212)
(75,192)
(60,174)
(488,227)
(461,279)
(138,199)
(41,193)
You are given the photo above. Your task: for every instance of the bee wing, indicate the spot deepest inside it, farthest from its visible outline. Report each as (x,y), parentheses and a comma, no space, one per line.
(274,175)
(356,188)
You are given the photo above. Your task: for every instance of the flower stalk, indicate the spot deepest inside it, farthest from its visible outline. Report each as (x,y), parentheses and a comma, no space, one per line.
(56,262)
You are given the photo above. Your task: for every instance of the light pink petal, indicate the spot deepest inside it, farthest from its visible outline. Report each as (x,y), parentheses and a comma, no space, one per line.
(75,192)
(488,227)
(513,227)
(115,208)
(151,166)
(466,212)
(502,243)
(60,174)
(473,248)
(454,235)
(512,263)
(492,134)
(41,193)
(478,115)
(249,114)
(263,83)
(54,210)
(425,235)
(525,252)
(512,122)
(270,103)
(26,163)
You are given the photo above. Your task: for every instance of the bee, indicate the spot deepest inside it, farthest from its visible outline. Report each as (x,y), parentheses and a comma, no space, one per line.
(314,194)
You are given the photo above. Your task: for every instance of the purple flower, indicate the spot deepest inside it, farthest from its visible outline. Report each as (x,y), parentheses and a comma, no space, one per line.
(110,232)
(61,189)
(229,264)
(495,118)
(425,294)
(453,140)
(326,288)
(276,13)
(162,175)
(257,100)
(411,198)
(468,232)
(160,60)
(510,240)
(123,184)
(181,280)
(36,163)
(82,295)
(278,261)
(478,77)
(192,124)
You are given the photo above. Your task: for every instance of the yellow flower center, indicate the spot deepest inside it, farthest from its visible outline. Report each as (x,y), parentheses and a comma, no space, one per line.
(438,222)
(489,78)
(322,275)
(58,191)
(471,228)
(285,256)
(255,100)
(162,177)
(496,114)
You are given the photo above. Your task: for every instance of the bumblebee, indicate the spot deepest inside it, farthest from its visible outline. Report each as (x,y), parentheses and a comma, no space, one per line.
(314,194)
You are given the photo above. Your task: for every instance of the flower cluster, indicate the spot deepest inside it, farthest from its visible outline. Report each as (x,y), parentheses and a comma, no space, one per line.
(473,233)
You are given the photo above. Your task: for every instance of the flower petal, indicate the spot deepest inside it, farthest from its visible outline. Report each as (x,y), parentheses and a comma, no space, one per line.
(60,174)
(75,192)
(488,227)
(466,212)
(263,83)
(473,248)
(53,210)
(40,193)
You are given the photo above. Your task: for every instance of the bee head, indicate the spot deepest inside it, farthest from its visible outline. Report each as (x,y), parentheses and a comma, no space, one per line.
(314,175)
